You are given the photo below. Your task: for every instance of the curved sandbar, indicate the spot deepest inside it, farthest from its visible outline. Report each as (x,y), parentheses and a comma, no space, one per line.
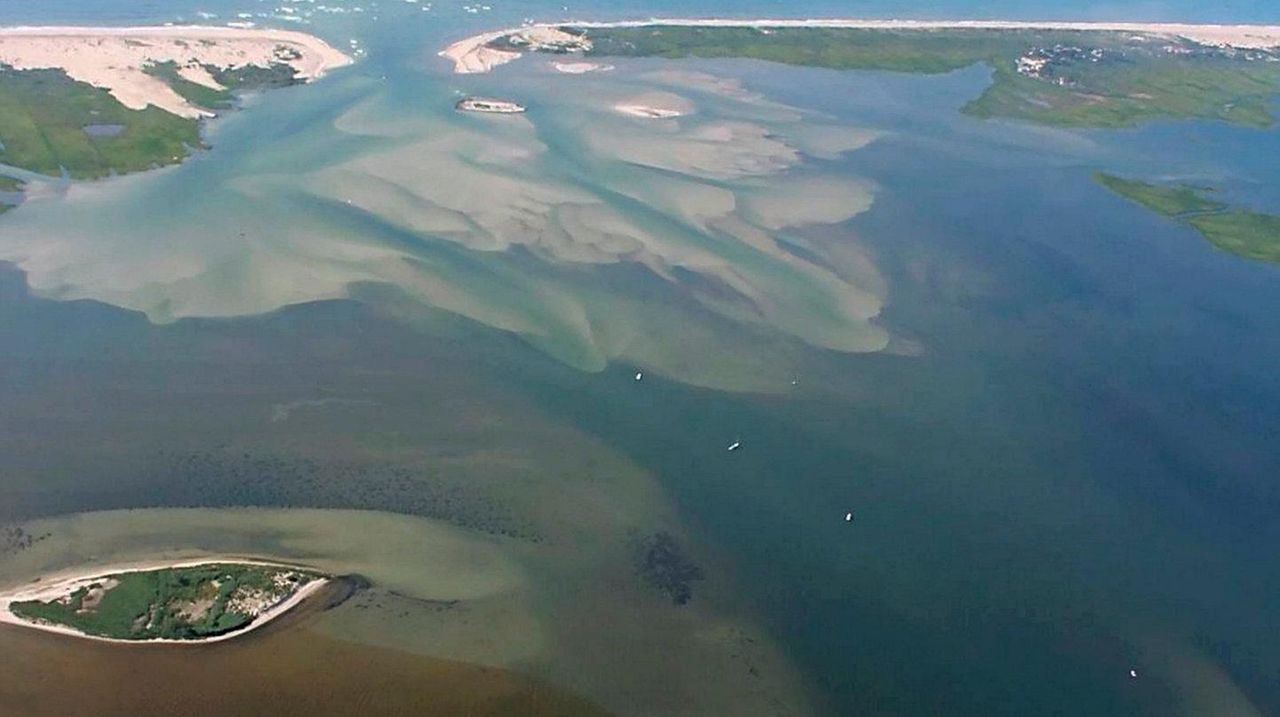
(475,54)
(253,610)
(117,58)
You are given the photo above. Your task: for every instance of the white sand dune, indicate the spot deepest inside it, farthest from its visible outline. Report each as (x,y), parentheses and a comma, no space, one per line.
(114,58)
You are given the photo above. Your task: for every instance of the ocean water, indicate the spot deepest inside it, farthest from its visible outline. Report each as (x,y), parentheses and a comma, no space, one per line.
(1050,412)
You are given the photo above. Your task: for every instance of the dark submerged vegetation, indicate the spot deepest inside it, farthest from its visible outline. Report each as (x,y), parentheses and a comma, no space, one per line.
(662,563)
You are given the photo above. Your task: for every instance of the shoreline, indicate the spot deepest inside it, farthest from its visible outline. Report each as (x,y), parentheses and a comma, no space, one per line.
(471,54)
(60,584)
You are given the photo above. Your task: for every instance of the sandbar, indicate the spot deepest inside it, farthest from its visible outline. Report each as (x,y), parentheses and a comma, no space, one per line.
(580,68)
(654,105)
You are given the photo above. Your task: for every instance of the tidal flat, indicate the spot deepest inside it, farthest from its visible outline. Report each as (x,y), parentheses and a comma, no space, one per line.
(498,219)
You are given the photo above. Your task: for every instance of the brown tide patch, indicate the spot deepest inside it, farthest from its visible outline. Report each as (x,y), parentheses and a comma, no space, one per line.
(287,670)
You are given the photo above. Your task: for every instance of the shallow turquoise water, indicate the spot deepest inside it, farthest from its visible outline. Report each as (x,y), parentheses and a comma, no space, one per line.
(1074,477)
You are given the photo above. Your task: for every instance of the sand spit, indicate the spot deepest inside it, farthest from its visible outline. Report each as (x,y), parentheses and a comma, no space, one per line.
(646,111)
(114,58)
(473,55)
(64,584)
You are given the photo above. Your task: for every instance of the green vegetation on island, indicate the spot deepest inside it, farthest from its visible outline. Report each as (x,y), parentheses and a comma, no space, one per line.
(183,603)
(50,123)
(195,93)
(1068,78)
(835,48)
(1249,234)
(254,77)
(233,79)
(1170,201)
(1246,233)
(43,119)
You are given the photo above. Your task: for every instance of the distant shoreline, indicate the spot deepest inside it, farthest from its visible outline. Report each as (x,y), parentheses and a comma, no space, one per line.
(59,585)
(472,54)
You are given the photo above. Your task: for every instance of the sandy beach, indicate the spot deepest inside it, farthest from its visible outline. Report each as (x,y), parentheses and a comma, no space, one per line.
(654,105)
(62,584)
(471,54)
(646,112)
(114,58)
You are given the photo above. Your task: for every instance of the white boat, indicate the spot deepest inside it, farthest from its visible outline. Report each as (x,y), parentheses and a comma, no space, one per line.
(735,445)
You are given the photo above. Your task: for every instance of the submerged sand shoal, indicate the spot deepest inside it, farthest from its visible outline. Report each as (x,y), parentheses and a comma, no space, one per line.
(115,58)
(67,582)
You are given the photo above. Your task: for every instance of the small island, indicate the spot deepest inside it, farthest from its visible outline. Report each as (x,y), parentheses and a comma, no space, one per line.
(181,602)
(490,105)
